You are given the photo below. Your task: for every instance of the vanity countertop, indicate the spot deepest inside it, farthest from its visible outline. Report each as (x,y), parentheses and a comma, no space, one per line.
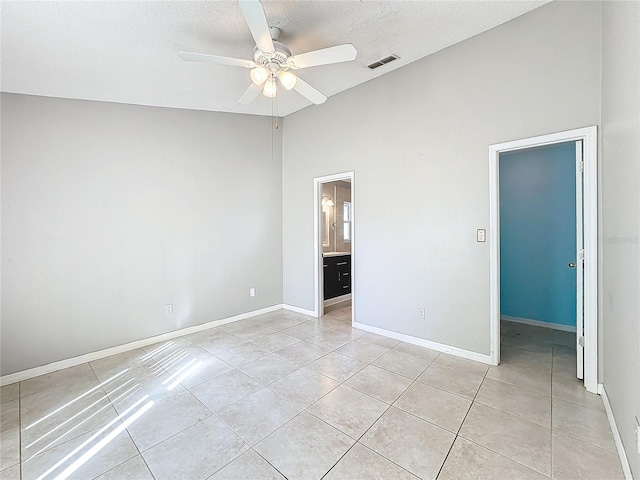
(335,254)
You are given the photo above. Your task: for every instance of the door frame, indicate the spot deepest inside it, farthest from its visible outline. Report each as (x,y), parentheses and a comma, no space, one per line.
(317,242)
(589,137)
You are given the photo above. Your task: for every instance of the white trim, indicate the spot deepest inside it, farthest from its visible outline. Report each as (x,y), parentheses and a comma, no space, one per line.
(589,137)
(538,323)
(579,271)
(318,300)
(335,300)
(626,468)
(303,311)
(440,347)
(90,357)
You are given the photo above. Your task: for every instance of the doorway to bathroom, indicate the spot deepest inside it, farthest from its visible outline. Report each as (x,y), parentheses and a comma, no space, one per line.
(334,245)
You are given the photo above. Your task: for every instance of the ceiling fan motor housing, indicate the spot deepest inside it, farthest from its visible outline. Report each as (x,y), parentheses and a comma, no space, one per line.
(279,56)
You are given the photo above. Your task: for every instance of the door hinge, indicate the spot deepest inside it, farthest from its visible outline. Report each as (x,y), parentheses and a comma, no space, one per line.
(581,254)
(581,341)
(581,166)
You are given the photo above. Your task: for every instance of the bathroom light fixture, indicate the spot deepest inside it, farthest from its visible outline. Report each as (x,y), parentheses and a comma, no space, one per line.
(327,201)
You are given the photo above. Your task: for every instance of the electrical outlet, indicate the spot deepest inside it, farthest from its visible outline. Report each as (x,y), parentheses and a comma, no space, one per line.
(481,235)
(422,313)
(252,292)
(168,309)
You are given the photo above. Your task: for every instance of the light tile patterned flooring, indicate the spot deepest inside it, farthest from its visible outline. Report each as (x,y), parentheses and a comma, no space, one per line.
(288,396)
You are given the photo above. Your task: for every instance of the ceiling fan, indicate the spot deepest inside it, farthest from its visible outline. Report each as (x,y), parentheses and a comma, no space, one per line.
(272,61)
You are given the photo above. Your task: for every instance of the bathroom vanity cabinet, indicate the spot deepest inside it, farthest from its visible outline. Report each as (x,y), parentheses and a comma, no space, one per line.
(337,275)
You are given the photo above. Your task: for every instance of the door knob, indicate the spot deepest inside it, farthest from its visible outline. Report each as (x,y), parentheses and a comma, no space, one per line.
(572,265)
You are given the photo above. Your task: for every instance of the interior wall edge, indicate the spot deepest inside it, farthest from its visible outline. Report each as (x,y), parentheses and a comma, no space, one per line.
(624,460)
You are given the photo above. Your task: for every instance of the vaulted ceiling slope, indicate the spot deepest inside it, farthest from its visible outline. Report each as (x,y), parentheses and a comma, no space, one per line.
(127,51)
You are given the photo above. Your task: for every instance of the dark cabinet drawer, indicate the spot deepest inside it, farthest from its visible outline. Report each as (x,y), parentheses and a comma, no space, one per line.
(330,273)
(337,276)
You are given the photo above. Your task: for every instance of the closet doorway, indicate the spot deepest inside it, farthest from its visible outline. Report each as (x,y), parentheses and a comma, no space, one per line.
(585,264)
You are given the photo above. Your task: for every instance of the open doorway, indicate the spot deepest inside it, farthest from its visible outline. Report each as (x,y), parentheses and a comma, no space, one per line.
(334,245)
(530,300)
(539,240)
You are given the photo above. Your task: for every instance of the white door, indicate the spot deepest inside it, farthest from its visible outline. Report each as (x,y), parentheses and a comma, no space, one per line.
(579,263)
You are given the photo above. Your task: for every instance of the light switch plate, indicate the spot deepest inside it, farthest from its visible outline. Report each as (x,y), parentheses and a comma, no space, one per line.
(481,235)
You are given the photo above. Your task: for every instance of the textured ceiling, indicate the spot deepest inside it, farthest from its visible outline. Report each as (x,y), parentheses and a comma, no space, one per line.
(127,51)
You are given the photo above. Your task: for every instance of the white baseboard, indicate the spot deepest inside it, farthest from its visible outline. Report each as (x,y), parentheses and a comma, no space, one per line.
(440,347)
(89,357)
(333,301)
(538,323)
(626,468)
(303,311)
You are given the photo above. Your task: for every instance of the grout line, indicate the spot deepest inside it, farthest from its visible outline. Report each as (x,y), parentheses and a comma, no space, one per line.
(237,456)
(356,440)
(457,434)
(389,406)
(504,456)
(483,446)
(258,453)
(135,445)
(305,409)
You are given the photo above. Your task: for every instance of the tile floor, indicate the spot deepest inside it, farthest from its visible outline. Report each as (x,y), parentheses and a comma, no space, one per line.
(289,396)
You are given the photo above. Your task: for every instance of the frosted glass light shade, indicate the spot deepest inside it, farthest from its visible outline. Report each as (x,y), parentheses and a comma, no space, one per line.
(259,75)
(269,89)
(287,78)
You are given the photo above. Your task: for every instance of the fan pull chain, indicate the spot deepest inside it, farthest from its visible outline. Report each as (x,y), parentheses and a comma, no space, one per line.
(274,113)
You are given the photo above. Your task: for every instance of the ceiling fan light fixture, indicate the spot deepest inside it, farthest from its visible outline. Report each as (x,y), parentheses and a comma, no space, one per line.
(287,78)
(259,75)
(270,89)
(272,60)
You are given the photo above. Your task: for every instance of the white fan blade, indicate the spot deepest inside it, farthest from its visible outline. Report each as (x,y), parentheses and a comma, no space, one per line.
(256,19)
(202,57)
(250,95)
(340,53)
(306,90)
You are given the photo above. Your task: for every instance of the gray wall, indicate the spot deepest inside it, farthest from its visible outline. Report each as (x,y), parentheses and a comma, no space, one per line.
(111,211)
(424,130)
(621,217)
